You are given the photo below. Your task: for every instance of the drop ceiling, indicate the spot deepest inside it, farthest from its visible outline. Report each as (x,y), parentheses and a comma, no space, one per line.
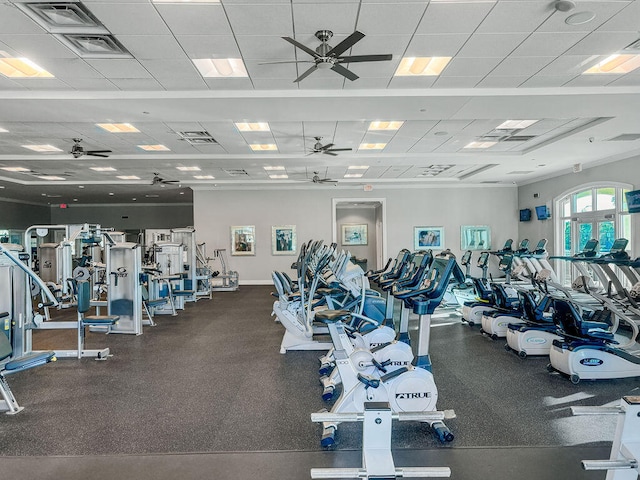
(510,60)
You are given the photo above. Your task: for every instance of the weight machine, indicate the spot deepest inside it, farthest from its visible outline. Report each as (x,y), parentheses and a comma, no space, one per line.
(226,280)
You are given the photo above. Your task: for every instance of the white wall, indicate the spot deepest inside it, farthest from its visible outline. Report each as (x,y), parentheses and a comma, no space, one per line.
(623,171)
(310,210)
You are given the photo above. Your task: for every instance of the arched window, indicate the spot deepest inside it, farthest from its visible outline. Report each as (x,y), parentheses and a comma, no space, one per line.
(591,211)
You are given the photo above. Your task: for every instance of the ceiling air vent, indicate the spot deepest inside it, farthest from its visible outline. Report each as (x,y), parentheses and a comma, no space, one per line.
(94,46)
(62,17)
(518,138)
(625,137)
(633,46)
(520,172)
(198,137)
(491,181)
(236,172)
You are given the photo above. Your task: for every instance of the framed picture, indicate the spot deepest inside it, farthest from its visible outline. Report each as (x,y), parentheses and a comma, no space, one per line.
(475,237)
(354,234)
(243,240)
(283,240)
(428,238)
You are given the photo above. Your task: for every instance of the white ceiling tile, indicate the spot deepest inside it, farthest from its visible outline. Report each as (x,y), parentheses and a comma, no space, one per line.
(257,69)
(497,81)
(8,84)
(195,19)
(64,68)
(274,84)
(456,82)
(413,82)
(491,44)
(136,84)
(441,45)
(209,46)
(517,66)
(626,81)
(454,17)
(130,18)
(591,80)
(540,81)
(543,44)
(624,20)
(364,83)
(13,20)
(182,83)
(42,84)
(229,83)
(400,144)
(35,47)
(90,84)
(260,19)
(119,68)
(569,65)
(603,43)
(468,67)
(374,69)
(268,48)
(381,44)
(339,18)
(317,82)
(162,69)
(525,16)
(603,10)
(389,18)
(152,46)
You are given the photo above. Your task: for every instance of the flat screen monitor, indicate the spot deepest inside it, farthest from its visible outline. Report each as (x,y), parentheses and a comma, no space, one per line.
(525,215)
(633,201)
(542,212)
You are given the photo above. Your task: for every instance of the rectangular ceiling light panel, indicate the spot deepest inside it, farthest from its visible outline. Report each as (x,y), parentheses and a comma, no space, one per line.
(480,144)
(42,148)
(204,177)
(16,169)
(103,169)
(270,168)
(50,177)
(154,148)
(188,169)
(118,127)
(421,66)
(372,146)
(263,147)
(128,177)
(253,127)
(20,67)
(618,63)
(379,125)
(220,67)
(515,124)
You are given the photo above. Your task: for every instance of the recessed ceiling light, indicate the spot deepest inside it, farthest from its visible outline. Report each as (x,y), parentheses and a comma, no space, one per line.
(274,168)
(80,186)
(154,148)
(253,127)
(353,175)
(128,177)
(618,63)
(357,167)
(16,169)
(188,169)
(279,176)
(220,67)
(50,177)
(152,196)
(580,18)
(75,199)
(429,66)
(515,124)
(378,125)
(372,146)
(2,130)
(257,147)
(118,127)
(204,177)
(111,194)
(102,169)
(480,144)
(42,148)
(21,68)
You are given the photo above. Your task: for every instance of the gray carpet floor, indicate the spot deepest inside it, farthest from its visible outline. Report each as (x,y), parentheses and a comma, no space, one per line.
(212,380)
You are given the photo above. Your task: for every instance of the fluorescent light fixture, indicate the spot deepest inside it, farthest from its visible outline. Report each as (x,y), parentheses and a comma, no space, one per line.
(480,144)
(16,169)
(128,177)
(618,63)
(103,169)
(378,125)
(50,177)
(515,124)
(118,127)
(154,148)
(258,147)
(275,177)
(253,127)
(372,146)
(270,168)
(220,67)
(353,175)
(21,68)
(2,130)
(204,177)
(42,148)
(188,169)
(357,167)
(426,66)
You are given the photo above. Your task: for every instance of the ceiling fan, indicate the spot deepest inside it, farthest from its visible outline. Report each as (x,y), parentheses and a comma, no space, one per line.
(319,148)
(78,150)
(316,179)
(158,180)
(327,57)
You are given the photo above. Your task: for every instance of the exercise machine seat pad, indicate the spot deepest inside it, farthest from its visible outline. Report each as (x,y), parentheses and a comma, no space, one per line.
(331,316)
(100,319)
(29,361)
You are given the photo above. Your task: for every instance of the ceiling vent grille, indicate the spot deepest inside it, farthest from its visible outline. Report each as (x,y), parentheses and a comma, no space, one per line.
(518,138)
(94,46)
(63,17)
(236,172)
(201,137)
(633,46)
(520,172)
(625,137)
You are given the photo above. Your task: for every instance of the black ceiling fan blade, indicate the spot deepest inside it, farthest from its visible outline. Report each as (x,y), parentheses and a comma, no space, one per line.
(169,181)
(295,43)
(330,152)
(306,74)
(344,72)
(286,61)
(327,146)
(366,58)
(340,150)
(89,152)
(346,44)
(103,155)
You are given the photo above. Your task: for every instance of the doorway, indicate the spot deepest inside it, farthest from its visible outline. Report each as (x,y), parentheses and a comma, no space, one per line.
(359,226)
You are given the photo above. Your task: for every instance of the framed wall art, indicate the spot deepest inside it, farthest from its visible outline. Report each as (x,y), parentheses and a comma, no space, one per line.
(428,238)
(283,240)
(243,240)
(475,237)
(354,234)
